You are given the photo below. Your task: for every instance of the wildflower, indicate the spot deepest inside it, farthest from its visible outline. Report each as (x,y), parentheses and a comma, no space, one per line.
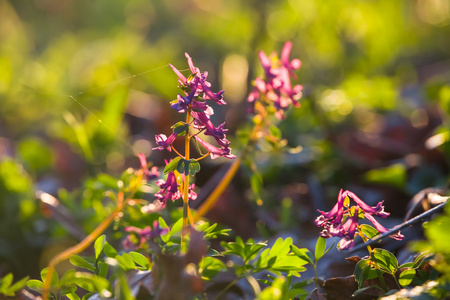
(165,142)
(144,235)
(276,86)
(168,189)
(197,91)
(339,222)
(149,174)
(198,83)
(215,152)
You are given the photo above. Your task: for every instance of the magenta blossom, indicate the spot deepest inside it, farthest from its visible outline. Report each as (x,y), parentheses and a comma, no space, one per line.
(144,235)
(339,222)
(149,174)
(165,142)
(169,190)
(194,101)
(197,82)
(276,85)
(215,152)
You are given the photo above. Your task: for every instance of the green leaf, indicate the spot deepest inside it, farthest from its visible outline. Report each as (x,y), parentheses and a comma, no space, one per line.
(124,289)
(359,291)
(406,277)
(55,278)
(183,166)
(35,285)
(87,281)
(72,296)
(421,258)
(68,290)
(361,271)
(80,262)
(256,183)
(180,128)
(87,296)
(98,246)
(140,259)
(172,165)
(126,262)
(320,248)
(209,267)
(384,260)
(18,285)
(275,131)
(328,250)
(369,231)
(194,167)
(394,175)
(303,253)
(103,272)
(109,250)
(6,281)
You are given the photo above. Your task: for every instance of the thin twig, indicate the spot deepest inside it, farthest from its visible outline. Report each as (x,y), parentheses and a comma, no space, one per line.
(408,223)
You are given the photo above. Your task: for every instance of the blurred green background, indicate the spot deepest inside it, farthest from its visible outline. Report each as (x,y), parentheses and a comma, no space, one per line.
(85,86)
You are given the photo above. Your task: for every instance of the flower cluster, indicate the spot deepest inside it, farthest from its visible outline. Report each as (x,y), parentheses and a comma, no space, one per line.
(143,235)
(148,174)
(169,189)
(275,86)
(342,220)
(196,92)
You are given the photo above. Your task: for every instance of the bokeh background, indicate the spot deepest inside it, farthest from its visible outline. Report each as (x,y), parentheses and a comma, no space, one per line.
(85,86)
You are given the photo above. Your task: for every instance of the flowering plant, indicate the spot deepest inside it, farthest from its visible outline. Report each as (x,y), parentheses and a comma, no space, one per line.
(177,256)
(342,220)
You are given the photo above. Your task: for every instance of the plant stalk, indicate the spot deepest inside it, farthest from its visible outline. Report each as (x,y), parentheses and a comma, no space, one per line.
(186,181)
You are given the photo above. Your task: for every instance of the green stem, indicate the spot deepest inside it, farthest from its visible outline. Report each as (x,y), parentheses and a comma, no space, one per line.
(382,282)
(227,288)
(364,238)
(315,276)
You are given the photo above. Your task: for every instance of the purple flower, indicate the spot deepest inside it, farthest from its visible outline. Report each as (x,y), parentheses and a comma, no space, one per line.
(165,142)
(349,230)
(335,214)
(276,86)
(202,121)
(197,91)
(198,83)
(168,189)
(377,210)
(149,174)
(289,65)
(215,152)
(144,235)
(381,229)
(338,222)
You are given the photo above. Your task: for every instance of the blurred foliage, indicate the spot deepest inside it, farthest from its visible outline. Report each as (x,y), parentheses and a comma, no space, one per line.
(85,86)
